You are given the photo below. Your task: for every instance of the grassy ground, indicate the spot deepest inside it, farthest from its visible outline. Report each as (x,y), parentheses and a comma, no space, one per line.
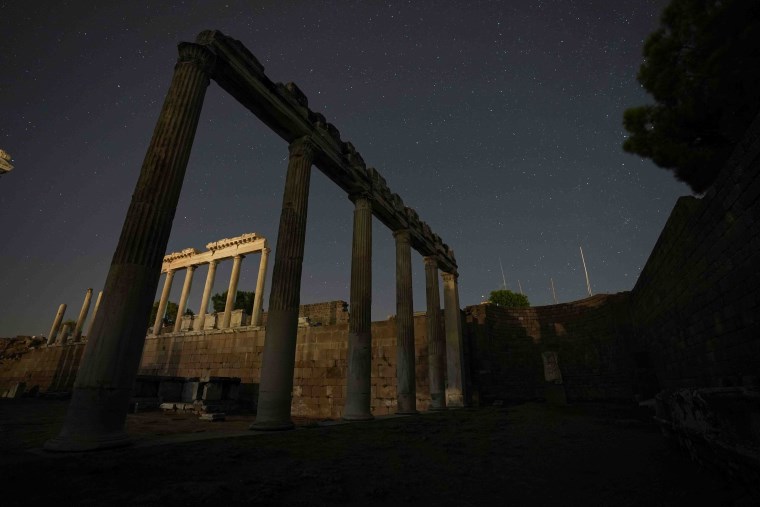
(531,454)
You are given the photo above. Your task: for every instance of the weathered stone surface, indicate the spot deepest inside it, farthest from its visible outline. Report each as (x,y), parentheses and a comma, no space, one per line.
(212,391)
(215,416)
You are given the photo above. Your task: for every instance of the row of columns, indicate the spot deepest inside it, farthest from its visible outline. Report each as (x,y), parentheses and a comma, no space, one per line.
(256,311)
(64,332)
(101,395)
(276,383)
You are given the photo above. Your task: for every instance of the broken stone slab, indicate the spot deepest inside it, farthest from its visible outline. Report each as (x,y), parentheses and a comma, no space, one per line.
(216,416)
(168,407)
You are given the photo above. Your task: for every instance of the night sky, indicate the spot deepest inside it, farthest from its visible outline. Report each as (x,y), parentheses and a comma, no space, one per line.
(499,122)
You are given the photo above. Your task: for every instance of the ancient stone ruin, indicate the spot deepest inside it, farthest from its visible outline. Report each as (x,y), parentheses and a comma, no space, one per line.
(107,373)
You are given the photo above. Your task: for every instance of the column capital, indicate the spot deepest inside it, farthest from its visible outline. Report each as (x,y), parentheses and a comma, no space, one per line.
(192,267)
(402,235)
(430,260)
(449,277)
(304,147)
(213,262)
(239,256)
(362,199)
(198,55)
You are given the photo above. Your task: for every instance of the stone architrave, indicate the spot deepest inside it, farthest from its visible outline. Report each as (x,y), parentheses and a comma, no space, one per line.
(206,295)
(406,390)
(258,297)
(358,382)
(82,316)
(436,342)
(232,290)
(454,343)
(106,376)
(56,324)
(276,385)
(158,323)
(94,314)
(183,298)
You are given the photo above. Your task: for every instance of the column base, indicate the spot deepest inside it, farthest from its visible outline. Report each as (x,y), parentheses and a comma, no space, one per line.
(272,426)
(95,420)
(437,402)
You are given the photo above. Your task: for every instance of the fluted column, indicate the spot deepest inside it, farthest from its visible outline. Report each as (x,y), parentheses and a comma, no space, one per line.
(94,314)
(232,290)
(82,315)
(256,312)
(359,373)
(183,298)
(56,324)
(206,295)
(406,390)
(454,345)
(158,323)
(436,342)
(276,386)
(65,333)
(99,402)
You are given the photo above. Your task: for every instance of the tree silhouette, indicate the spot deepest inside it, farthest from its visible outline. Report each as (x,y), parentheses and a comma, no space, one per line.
(702,67)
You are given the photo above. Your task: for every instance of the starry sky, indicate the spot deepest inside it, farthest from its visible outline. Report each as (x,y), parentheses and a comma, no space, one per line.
(500,122)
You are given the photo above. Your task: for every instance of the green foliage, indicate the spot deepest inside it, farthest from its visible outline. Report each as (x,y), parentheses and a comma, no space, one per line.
(243,301)
(702,67)
(508,299)
(171,311)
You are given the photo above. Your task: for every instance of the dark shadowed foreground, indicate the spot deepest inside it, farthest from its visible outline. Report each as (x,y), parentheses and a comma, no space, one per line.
(531,454)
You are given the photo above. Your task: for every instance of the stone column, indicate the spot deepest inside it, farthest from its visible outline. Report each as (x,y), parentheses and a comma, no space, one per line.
(454,345)
(163,302)
(56,324)
(94,314)
(82,316)
(206,295)
(65,332)
(183,298)
(276,385)
(232,290)
(106,376)
(258,297)
(436,342)
(358,380)
(406,391)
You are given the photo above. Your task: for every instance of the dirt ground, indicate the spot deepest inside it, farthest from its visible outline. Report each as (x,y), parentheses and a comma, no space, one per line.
(530,454)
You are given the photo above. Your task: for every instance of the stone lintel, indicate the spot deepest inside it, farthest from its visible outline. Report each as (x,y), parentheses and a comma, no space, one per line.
(284,109)
(226,248)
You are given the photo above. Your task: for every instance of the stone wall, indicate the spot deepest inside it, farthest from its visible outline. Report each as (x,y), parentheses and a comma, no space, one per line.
(590,338)
(320,367)
(51,369)
(697,301)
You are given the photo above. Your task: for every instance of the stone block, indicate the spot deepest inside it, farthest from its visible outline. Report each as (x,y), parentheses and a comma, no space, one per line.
(191,391)
(16,390)
(212,391)
(170,390)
